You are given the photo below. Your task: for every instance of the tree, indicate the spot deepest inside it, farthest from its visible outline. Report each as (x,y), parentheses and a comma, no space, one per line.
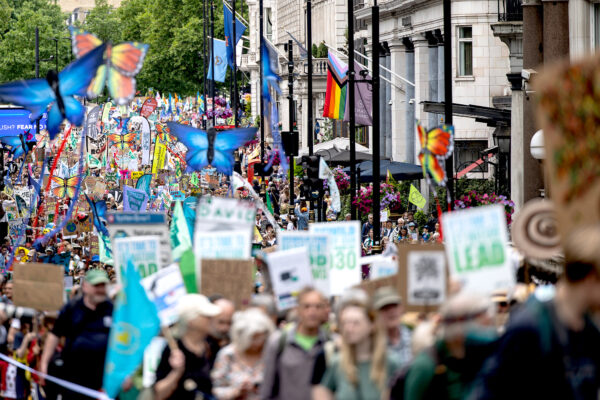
(17,41)
(104,22)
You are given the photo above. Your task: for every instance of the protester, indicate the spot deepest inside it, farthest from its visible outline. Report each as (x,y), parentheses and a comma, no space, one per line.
(238,371)
(221,325)
(183,373)
(301,212)
(289,355)
(84,323)
(362,368)
(367,226)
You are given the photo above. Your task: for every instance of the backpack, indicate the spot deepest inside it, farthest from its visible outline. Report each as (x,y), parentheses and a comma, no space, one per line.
(437,388)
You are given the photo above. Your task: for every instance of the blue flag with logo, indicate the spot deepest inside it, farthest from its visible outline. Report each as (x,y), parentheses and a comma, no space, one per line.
(135,323)
(239,31)
(219,54)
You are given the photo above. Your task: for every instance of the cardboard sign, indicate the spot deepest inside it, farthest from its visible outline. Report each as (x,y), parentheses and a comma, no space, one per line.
(217,278)
(142,224)
(141,250)
(476,246)
(137,174)
(94,245)
(424,275)
(165,287)
(318,253)
(568,112)
(38,286)
(290,272)
(344,251)
(371,286)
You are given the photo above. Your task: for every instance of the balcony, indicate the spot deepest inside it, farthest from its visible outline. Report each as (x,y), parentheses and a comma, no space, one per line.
(510,10)
(319,66)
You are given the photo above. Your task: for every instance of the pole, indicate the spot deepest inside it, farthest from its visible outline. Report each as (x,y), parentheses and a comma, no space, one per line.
(236,118)
(448,92)
(291,115)
(262,121)
(204,92)
(310,93)
(37,75)
(351,100)
(212,58)
(376,129)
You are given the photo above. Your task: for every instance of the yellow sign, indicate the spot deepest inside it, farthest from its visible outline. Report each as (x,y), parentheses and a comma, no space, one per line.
(416,197)
(160,153)
(137,174)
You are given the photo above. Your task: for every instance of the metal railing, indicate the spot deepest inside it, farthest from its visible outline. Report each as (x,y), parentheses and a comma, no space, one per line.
(510,10)
(319,66)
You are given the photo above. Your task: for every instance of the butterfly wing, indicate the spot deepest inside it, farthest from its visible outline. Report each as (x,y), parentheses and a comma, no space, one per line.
(130,137)
(72,186)
(225,143)
(34,95)
(440,141)
(121,87)
(128,58)
(433,168)
(15,144)
(196,142)
(83,42)
(76,77)
(96,86)
(422,135)
(59,191)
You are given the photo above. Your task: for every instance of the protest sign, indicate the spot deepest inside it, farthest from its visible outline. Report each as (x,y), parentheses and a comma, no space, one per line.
(165,287)
(134,199)
(16,227)
(422,276)
(70,229)
(137,174)
(476,242)
(152,356)
(160,153)
(38,286)
(11,209)
(217,278)
(141,250)
(344,251)
(129,224)
(318,254)
(94,245)
(290,272)
(178,195)
(92,119)
(148,107)
(380,265)
(99,189)
(226,244)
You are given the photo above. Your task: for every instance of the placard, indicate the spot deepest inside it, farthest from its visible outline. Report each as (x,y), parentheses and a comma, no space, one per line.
(344,251)
(165,287)
(129,224)
(232,279)
(290,272)
(476,245)
(223,245)
(380,265)
(38,286)
(141,250)
(318,253)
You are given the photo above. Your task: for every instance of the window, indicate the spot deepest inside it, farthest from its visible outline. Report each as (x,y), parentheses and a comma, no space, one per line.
(467,152)
(268,25)
(465,51)
(595,26)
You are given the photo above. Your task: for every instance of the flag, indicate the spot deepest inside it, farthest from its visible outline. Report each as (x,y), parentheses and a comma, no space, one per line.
(326,173)
(269,204)
(363,100)
(143,183)
(239,31)
(219,54)
(303,52)
(187,266)
(135,323)
(416,197)
(335,94)
(169,107)
(104,249)
(181,239)
(389,179)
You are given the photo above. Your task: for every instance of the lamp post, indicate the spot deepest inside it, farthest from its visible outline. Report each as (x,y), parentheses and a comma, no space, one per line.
(502,140)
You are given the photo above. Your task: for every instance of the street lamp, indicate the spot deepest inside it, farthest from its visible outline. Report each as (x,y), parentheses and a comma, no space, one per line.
(536,146)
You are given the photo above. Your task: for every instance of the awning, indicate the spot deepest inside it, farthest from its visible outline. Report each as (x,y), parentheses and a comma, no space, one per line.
(487,115)
(400,171)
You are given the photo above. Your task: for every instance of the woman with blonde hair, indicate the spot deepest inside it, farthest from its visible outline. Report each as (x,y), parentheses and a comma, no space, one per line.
(362,368)
(238,370)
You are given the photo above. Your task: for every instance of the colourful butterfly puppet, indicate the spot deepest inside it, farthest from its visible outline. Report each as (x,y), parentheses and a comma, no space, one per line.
(64,186)
(123,141)
(56,92)
(436,146)
(122,62)
(210,147)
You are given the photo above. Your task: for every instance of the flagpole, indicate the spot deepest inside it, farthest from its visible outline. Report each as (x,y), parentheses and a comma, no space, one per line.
(351,109)
(212,58)
(235,87)
(310,100)
(259,91)
(376,129)
(204,92)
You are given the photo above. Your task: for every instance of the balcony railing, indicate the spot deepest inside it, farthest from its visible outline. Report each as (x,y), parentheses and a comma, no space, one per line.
(319,66)
(510,10)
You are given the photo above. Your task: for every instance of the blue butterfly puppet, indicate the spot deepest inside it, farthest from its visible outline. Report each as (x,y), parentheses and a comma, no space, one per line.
(19,145)
(210,147)
(99,212)
(57,91)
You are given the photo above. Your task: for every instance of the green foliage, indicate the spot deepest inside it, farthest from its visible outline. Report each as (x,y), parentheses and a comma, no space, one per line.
(322,50)
(104,22)
(18,20)
(464,186)
(298,171)
(420,218)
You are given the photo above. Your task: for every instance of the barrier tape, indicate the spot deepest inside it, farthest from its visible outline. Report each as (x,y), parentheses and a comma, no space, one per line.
(68,385)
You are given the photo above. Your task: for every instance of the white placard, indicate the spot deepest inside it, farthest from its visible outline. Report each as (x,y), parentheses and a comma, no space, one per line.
(344,251)
(318,254)
(426,278)
(152,356)
(381,266)
(165,288)
(290,272)
(476,245)
(143,251)
(231,245)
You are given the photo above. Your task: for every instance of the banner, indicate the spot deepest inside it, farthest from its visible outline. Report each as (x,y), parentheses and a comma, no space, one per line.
(363,96)
(134,199)
(416,197)
(160,154)
(15,121)
(93,130)
(219,55)
(239,31)
(148,107)
(326,173)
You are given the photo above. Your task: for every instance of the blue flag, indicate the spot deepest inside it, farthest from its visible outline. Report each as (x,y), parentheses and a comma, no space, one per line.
(135,323)
(219,55)
(239,31)
(143,183)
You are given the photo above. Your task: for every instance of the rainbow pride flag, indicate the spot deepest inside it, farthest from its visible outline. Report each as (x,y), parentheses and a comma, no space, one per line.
(335,96)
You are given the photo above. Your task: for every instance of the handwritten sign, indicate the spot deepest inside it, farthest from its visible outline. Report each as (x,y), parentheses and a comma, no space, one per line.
(318,254)
(344,253)
(476,246)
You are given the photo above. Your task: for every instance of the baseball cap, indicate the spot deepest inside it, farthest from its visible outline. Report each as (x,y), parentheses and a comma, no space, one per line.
(96,258)
(386,296)
(96,276)
(194,304)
